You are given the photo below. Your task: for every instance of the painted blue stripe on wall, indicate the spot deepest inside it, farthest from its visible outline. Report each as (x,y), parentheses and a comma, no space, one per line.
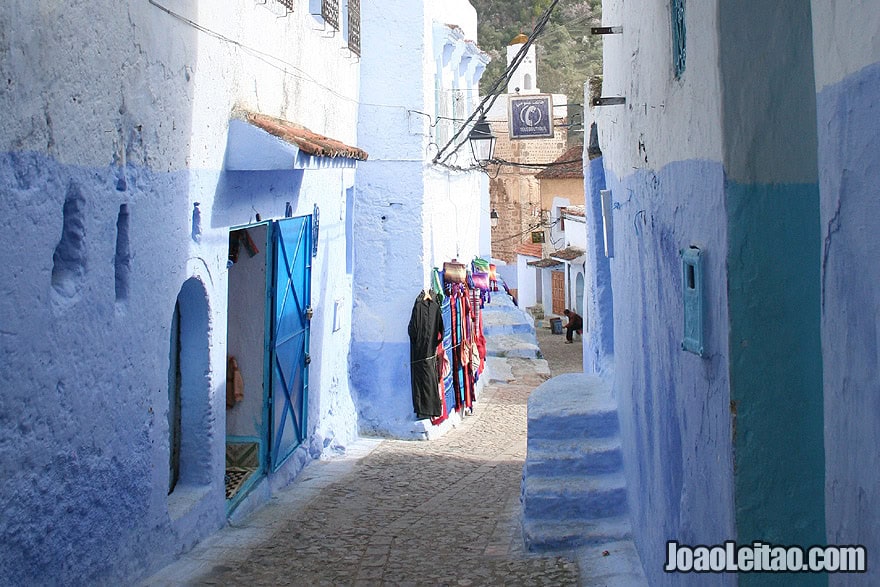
(673,405)
(776,367)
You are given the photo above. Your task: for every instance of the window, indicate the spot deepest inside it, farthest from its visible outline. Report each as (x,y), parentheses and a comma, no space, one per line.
(330,13)
(354,26)
(678,37)
(325,12)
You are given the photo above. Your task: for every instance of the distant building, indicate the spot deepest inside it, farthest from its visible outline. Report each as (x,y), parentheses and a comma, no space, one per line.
(558,273)
(514,191)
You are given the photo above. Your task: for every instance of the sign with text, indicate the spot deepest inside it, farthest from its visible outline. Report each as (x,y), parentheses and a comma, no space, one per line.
(531,117)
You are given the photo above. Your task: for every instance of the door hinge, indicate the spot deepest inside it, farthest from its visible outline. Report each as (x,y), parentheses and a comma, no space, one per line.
(309,313)
(308,359)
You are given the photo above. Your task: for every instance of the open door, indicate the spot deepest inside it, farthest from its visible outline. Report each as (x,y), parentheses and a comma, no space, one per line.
(288,348)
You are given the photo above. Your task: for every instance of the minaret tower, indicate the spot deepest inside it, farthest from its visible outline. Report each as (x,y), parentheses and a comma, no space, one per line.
(524,79)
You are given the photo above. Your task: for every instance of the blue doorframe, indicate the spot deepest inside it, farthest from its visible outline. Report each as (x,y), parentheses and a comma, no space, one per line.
(287,373)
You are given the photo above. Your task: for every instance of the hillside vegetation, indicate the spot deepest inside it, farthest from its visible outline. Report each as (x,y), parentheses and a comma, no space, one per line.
(566,51)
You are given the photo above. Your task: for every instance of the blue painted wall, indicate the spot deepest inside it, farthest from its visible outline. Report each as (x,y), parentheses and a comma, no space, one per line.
(673,405)
(88,294)
(83,431)
(776,364)
(771,189)
(849,140)
(599,302)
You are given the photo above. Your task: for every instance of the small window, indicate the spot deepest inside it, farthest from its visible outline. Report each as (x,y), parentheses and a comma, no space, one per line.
(325,12)
(330,13)
(679,52)
(174,385)
(354,26)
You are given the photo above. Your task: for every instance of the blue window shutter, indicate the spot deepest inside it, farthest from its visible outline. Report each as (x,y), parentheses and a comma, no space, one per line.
(679,36)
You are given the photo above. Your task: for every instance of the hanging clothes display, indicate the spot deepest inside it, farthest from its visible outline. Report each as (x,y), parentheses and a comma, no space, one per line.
(425,334)
(462,339)
(448,385)
(444,353)
(447,345)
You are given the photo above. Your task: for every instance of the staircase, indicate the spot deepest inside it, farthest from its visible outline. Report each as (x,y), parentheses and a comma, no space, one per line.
(573,490)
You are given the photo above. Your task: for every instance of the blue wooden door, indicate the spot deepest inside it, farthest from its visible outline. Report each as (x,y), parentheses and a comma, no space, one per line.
(290,300)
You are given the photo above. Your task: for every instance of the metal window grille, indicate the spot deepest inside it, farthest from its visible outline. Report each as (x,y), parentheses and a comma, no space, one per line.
(678,37)
(287,4)
(330,13)
(354,26)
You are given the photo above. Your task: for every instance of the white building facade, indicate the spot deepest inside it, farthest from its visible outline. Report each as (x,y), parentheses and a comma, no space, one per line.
(411,215)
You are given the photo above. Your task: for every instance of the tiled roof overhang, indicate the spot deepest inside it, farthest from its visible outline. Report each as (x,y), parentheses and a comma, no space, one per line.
(544,263)
(529,250)
(569,165)
(568,254)
(258,142)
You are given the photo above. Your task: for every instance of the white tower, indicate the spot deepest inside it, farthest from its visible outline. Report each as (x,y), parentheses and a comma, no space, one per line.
(524,79)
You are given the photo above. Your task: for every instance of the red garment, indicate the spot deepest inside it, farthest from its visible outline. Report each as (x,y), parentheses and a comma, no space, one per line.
(443,371)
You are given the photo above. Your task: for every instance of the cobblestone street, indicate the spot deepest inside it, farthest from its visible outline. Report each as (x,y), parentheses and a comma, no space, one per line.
(444,512)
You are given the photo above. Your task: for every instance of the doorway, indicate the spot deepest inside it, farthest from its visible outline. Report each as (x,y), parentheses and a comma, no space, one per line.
(557,284)
(579,297)
(269,300)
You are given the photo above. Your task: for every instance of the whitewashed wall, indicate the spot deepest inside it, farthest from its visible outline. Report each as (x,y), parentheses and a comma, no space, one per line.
(123,103)
(410,215)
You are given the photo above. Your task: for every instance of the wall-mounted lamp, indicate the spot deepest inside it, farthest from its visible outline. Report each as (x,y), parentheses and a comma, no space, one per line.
(482,141)
(493,218)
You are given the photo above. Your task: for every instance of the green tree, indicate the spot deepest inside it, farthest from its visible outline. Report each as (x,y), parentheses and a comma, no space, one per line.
(566,51)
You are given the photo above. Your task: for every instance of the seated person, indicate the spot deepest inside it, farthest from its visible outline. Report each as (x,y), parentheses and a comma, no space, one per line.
(575,323)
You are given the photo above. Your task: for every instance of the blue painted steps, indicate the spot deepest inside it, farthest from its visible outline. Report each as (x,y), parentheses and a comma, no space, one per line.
(573,489)
(510,332)
(577,456)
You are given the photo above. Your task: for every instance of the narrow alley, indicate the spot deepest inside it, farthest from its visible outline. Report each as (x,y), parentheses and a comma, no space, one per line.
(444,512)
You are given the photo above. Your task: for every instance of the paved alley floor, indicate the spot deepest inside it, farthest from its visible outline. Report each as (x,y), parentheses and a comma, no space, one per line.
(444,512)
(562,358)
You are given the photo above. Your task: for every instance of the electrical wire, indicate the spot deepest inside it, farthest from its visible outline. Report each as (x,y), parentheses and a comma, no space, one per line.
(492,95)
(532,165)
(486,103)
(531,228)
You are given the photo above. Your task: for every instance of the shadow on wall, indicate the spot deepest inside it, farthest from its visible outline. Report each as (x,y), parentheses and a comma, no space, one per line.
(241,195)
(189,391)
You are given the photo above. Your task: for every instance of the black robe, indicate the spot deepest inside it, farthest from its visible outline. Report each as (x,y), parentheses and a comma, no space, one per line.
(425,334)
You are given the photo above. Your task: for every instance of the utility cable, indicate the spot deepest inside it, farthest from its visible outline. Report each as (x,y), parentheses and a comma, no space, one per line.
(492,95)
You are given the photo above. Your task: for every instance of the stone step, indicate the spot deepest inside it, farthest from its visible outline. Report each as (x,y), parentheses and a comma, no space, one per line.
(589,456)
(521,346)
(573,497)
(574,426)
(543,535)
(506,322)
(572,405)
